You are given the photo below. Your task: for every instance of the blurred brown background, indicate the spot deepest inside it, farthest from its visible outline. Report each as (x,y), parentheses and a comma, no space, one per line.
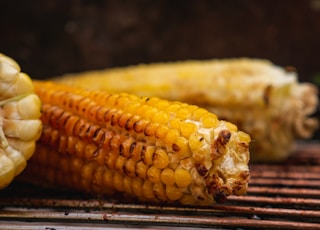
(53,37)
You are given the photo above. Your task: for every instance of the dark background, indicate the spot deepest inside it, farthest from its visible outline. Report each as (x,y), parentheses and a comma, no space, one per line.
(52,37)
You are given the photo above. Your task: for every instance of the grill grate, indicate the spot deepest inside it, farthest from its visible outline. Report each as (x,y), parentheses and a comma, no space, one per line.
(280,196)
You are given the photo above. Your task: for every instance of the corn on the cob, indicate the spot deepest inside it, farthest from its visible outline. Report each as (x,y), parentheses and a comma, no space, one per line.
(143,147)
(264,100)
(20,124)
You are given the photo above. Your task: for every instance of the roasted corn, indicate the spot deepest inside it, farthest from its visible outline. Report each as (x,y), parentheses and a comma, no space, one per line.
(264,100)
(19,119)
(143,147)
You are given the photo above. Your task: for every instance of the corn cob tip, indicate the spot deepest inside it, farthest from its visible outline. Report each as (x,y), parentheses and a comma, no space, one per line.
(20,124)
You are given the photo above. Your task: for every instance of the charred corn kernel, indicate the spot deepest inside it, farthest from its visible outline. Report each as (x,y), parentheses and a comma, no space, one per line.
(147,154)
(160,192)
(130,167)
(229,88)
(106,148)
(182,178)
(20,120)
(167,176)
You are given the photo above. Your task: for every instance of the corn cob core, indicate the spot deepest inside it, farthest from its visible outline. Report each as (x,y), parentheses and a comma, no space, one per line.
(144,147)
(20,125)
(264,100)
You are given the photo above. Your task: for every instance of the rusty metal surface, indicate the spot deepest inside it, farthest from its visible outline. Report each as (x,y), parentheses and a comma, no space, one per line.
(280,196)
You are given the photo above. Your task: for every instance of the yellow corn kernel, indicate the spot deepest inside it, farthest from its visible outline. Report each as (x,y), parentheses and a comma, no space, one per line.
(187,200)
(198,113)
(231,126)
(161,132)
(141,170)
(127,183)
(119,164)
(170,137)
(88,170)
(147,190)
(187,129)
(147,154)
(182,178)
(167,176)
(210,121)
(173,193)
(118,182)
(98,177)
(180,146)
(108,179)
(160,159)
(159,191)
(244,137)
(160,118)
(137,187)
(130,167)
(153,174)
(176,123)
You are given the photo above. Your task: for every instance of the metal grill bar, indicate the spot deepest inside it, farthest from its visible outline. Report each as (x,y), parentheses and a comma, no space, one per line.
(280,196)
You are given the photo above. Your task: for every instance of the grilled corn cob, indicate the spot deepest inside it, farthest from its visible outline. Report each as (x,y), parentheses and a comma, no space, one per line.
(144,147)
(264,100)
(19,119)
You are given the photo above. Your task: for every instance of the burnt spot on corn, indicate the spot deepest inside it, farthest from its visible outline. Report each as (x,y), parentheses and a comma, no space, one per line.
(217,189)
(122,121)
(201,169)
(114,119)
(121,150)
(175,147)
(139,126)
(129,124)
(143,153)
(218,148)
(132,147)
(150,129)
(220,197)
(212,184)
